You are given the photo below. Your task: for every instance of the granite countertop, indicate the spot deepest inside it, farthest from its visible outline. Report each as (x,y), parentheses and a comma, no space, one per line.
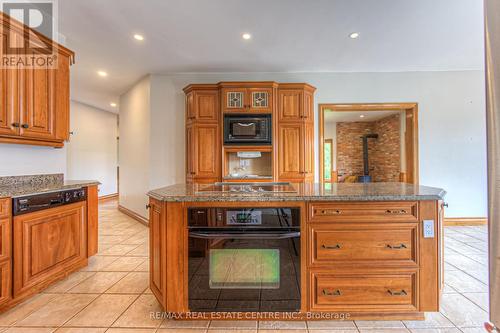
(18,186)
(306,192)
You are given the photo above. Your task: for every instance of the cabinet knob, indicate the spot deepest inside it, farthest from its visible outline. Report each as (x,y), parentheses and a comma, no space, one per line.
(148,206)
(15,125)
(397,247)
(337,292)
(397,293)
(24,125)
(331,247)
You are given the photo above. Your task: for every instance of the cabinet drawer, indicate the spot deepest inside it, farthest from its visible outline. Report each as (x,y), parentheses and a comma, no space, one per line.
(364,291)
(400,211)
(5,207)
(387,244)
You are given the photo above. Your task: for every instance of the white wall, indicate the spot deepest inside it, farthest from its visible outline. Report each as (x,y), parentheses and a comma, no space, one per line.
(452,134)
(92,151)
(134,147)
(17,160)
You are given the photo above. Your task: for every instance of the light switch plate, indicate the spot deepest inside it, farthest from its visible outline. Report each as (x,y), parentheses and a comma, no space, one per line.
(428,228)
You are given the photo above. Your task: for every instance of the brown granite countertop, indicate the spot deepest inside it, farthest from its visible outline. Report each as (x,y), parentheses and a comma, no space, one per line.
(306,192)
(18,186)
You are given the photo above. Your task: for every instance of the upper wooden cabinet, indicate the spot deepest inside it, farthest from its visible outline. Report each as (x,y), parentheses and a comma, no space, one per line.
(248,97)
(34,103)
(291,106)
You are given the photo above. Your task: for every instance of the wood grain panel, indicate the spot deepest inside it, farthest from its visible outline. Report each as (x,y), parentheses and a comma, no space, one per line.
(157,250)
(430,262)
(62,96)
(5,207)
(290,104)
(46,243)
(290,151)
(207,156)
(394,244)
(365,291)
(5,281)
(396,211)
(9,90)
(92,220)
(207,105)
(5,238)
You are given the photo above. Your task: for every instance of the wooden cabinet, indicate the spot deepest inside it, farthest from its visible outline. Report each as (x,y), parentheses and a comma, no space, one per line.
(295,133)
(248,99)
(34,103)
(203,130)
(47,245)
(92,220)
(5,251)
(158,242)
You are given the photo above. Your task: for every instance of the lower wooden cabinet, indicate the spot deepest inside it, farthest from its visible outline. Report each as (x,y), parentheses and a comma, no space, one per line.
(382,291)
(47,245)
(157,243)
(5,281)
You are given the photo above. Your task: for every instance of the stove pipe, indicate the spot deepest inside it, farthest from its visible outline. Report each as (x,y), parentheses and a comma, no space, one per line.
(366,177)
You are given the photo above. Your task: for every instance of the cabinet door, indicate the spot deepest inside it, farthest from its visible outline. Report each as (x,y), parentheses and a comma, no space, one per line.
(290,104)
(309,151)
(206,105)
(9,102)
(190,153)
(207,156)
(61,99)
(260,99)
(234,99)
(37,117)
(308,112)
(5,238)
(47,244)
(157,248)
(290,152)
(5,281)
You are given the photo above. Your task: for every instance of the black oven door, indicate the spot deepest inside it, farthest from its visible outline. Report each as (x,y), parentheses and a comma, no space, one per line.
(235,270)
(247,129)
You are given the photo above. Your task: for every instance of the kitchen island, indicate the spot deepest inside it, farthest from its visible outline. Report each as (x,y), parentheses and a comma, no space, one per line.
(359,251)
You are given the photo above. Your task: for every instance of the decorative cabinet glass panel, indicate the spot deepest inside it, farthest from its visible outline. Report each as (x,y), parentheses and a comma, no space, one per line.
(251,100)
(260,99)
(235,99)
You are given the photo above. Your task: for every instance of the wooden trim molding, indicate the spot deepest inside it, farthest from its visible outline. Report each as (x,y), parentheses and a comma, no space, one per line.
(133,215)
(465,221)
(108,197)
(411,111)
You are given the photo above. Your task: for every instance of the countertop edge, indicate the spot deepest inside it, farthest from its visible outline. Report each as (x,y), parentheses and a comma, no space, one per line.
(68,185)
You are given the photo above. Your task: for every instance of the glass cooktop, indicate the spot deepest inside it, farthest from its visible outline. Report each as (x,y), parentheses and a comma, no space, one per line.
(228,187)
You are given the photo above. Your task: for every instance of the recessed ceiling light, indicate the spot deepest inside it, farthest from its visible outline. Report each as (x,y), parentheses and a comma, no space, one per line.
(362,116)
(102,73)
(354,35)
(246,36)
(113,105)
(139,37)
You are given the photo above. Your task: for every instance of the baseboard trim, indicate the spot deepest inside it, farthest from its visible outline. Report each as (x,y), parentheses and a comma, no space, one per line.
(133,215)
(465,221)
(108,197)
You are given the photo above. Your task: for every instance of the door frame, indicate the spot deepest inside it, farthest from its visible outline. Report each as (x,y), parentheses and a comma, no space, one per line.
(411,132)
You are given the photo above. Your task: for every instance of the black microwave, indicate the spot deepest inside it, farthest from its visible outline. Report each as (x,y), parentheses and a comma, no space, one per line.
(248,129)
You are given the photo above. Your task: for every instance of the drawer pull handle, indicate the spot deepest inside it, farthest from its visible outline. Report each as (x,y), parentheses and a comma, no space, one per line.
(396,211)
(332,293)
(331,247)
(330,212)
(397,293)
(396,247)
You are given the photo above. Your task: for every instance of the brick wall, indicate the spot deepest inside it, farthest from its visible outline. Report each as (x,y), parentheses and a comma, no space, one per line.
(384,153)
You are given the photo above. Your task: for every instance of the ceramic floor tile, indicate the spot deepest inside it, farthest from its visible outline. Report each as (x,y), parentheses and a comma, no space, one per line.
(120,249)
(132,283)
(384,330)
(140,251)
(239,324)
(103,311)
(30,330)
(131,330)
(169,323)
(98,283)
(331,324)
(144,267)
(58,311)
(96,263)
(280,331)
(463,282)
(480,299)
(68,283)
(124,264)
(81,330)
(432,320)
(435,330)
(364,324)
(462,312)
(282,325)
(22,310)
(140,313)
(333,330)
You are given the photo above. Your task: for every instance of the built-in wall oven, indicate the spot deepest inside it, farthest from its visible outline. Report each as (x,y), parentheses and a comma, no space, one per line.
(248,129)
(244,259)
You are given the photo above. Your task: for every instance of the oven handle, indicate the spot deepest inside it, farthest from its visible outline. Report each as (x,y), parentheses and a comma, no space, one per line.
(244,235)
(246,125)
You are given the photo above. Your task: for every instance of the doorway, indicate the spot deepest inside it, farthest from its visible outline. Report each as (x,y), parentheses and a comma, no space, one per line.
(368,142)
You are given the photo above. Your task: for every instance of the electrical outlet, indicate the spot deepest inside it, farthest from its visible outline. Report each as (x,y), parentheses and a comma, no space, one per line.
(428,228)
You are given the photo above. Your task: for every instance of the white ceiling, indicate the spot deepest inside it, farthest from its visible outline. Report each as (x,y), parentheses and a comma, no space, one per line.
(354,116)
(287,36)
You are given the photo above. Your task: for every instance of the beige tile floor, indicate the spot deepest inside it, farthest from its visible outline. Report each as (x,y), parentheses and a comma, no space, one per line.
(112,294)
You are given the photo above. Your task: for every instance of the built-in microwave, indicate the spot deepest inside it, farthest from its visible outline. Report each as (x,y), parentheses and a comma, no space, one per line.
(248,129)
